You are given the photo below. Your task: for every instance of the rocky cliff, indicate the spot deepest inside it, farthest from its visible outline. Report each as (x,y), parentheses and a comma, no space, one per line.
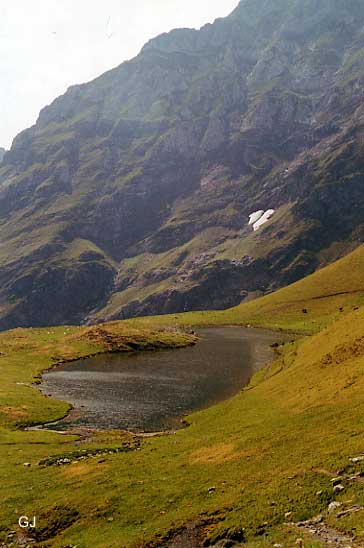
(132,193)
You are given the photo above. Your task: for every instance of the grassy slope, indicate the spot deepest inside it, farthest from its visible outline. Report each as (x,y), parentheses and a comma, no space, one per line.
(266,452)
(323,294)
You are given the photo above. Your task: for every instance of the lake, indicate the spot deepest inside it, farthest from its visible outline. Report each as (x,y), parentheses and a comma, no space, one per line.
(152,391)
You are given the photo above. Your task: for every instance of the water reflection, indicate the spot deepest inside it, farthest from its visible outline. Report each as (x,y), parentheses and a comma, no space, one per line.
(152,391)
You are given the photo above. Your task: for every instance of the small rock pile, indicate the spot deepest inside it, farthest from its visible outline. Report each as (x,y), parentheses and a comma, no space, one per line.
(84,454)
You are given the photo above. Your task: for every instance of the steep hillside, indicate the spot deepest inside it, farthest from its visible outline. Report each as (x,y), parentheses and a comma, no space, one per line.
(306,307)
(312,303)
(132,193)
(2,153)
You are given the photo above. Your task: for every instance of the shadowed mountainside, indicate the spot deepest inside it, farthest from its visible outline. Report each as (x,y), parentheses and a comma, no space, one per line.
(306,306)
(131,194)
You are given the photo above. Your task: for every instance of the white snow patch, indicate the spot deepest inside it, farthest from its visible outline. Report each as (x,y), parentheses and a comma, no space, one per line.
(263,219)
(254,217)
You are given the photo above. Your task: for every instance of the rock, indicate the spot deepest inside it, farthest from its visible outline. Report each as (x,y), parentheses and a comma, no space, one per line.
(338,489)
(224,544)
(288,515)
(341,514)
(211,489)
(333,506)
(357,459)
(277,546)
(319,493)
(354,508)
(26,464)
(336,481)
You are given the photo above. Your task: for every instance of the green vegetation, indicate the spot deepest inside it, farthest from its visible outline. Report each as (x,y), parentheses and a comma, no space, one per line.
(129,188)
(25,353)
(306,306)
(145,163)
(242,468)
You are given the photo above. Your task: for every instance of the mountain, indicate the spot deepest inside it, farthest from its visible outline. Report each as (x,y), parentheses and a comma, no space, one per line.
(132,193)
(2,153)
(312,303)
(305,307)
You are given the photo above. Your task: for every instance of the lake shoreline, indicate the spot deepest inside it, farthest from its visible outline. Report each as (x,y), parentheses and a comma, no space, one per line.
(75,412)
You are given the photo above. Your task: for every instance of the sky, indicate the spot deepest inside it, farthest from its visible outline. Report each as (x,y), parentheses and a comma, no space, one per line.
(48,45)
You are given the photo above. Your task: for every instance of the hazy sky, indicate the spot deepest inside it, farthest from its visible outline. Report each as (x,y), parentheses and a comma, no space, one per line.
(48,45)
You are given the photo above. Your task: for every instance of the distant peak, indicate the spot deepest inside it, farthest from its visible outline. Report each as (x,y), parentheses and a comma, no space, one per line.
(176,39)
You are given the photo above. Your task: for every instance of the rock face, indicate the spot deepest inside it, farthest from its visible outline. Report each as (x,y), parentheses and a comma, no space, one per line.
(2,153)
(132,193)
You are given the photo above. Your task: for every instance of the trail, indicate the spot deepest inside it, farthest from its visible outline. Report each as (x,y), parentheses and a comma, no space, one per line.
(325,534)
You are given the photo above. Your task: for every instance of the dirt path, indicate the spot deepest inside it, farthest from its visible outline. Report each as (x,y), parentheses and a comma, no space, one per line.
(329,536)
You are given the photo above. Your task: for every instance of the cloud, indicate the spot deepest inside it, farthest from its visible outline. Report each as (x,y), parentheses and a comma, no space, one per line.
(48,45)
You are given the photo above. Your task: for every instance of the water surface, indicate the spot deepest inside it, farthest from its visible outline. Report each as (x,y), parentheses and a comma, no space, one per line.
(152,391)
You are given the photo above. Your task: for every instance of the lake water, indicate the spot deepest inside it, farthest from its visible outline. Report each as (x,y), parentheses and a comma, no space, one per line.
(152,391)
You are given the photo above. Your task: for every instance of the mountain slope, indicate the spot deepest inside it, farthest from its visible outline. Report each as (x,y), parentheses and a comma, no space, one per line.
(132,193)
(306,306)
(313,302)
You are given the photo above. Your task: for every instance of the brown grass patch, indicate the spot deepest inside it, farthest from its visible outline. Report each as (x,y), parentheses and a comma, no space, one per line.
(218,454)
(83,469)
(344,352)
(14,412)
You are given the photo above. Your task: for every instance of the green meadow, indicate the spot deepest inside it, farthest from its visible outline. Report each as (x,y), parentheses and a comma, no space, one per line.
(247,469)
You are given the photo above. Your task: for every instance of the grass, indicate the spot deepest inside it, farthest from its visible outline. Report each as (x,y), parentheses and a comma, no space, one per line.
(306,306)
(241,465)
(25,353)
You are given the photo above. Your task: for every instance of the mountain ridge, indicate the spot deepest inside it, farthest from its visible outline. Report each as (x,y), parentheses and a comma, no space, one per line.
(131,194)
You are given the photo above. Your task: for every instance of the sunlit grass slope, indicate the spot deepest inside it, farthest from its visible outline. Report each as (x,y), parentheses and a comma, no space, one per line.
(242,464)
(304,307)
(325,295)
